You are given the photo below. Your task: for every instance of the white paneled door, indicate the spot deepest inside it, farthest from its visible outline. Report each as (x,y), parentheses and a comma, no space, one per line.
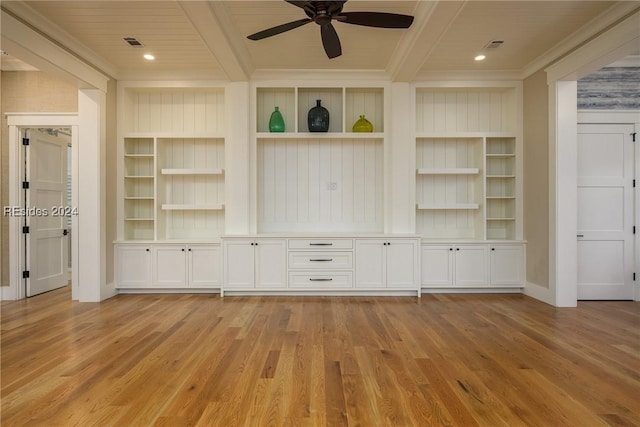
(605,212)
(47,213)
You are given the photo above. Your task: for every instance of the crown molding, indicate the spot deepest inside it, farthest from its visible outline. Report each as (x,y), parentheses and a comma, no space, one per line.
(329,75)
(456,75)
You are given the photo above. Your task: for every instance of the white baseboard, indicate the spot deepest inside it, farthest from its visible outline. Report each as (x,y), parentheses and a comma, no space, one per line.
(108,291)
(540,293)
(7,293)
(510,290)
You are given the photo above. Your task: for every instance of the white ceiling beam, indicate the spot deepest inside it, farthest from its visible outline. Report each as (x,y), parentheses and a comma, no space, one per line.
(214,25)
(23,42)
(42,25)
(431,21)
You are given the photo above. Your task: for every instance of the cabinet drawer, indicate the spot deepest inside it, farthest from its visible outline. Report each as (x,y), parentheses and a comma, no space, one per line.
(319,244)
(320,260)
(320,280)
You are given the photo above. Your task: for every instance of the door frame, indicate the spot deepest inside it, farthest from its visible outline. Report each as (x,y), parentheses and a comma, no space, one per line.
(623,117)
(17,122)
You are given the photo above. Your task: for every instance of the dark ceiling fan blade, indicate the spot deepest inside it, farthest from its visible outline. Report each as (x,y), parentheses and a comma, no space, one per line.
(375,19)
(279,29)
(300,4)
(330,41)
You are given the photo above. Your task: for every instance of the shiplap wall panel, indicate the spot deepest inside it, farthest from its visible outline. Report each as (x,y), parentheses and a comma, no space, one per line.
(295,178)
(191,153)
(176,110)
(464,110)
(438,153)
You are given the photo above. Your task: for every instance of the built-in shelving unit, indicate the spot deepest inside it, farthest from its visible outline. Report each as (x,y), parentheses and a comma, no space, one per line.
(467,164)
(173,162)
(320,181)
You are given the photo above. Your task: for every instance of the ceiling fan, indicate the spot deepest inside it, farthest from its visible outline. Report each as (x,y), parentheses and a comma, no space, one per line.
(323,12)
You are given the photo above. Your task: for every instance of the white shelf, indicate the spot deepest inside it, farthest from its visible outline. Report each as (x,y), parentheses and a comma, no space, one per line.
(500,197)
(140,156)
(500,156)
(139,219)
(190,171)
(139,176)
(448,171)
(454,135)
(139,198)
(501,219)
(500,176)
(447,206)
(174,135)
(184,207)
(319,135)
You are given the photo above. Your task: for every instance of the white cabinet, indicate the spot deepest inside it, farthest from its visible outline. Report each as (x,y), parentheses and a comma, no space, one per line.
(167,266)
(473,265)
(387,263)
(133,266)
(455,265)
(255,263)
(507,265)
(204,266)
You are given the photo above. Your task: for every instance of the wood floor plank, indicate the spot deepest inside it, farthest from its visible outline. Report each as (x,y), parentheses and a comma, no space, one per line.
(442,360)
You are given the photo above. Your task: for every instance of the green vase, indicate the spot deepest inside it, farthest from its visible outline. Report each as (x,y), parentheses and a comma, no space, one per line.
(362,125)
(276,122)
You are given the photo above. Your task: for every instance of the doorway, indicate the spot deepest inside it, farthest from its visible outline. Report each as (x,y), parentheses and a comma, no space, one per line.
(605,217)
(42,199)
(47,212)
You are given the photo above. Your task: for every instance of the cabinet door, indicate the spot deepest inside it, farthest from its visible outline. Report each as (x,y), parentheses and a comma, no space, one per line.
(204,266)
(238,264)
(436,266)
(402,263)
(134,266)
(371,268)
(169,266)
(507,265)
(471,265)
(270,264)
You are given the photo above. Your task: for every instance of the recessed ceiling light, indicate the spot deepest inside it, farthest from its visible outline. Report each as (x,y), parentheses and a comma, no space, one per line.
(149,57)
(479,57)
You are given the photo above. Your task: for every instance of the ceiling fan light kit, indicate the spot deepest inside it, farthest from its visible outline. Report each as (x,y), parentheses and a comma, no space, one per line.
(324,12)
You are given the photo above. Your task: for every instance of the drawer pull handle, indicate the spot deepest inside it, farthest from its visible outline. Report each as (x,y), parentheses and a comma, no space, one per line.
(322,260)
(320,244)
(320,280)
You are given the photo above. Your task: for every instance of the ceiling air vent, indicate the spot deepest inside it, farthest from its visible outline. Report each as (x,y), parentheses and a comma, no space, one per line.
(494,44)
(133,42)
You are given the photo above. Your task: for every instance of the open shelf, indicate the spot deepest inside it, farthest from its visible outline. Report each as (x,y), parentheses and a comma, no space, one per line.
(448,206)
(194,171)
(448,171)
(178,207)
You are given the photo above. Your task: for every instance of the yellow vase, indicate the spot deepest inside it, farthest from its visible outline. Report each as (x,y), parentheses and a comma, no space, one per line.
(362,125)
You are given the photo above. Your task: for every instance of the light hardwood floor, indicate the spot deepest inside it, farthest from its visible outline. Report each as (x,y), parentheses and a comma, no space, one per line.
(462,360)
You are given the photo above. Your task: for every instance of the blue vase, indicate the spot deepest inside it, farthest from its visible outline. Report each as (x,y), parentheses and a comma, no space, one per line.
(318,118)
(276,122)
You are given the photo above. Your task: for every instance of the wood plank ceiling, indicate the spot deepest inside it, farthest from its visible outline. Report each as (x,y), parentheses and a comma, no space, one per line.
(185,48)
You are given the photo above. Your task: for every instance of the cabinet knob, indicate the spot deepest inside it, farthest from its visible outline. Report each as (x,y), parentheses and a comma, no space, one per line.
(457,249)
(182,249)
(251,243)
(147,249)
(189,249)
(450,249)
(493,249)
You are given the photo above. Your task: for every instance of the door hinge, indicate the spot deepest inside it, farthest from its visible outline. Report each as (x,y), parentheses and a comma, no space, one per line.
(25,141)
(25,185)
(25,274)
(633,136)
(25,230)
